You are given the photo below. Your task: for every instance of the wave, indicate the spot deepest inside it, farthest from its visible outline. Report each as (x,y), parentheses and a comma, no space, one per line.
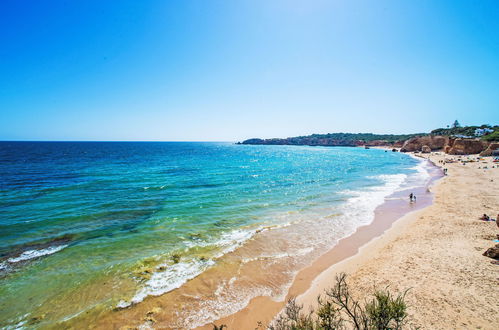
(172,278)
(31,254)
(363,203)
(168,277)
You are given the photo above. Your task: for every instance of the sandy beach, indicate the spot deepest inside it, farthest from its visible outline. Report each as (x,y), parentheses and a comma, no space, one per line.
(436,252)
(222,164)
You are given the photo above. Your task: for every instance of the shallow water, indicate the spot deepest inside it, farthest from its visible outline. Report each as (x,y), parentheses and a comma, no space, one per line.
(89,227)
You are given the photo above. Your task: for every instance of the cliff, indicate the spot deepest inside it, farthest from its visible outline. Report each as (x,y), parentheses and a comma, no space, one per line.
(491,150)
(422,142)
(465,146)
(430,142)
(452,146)
(337,139)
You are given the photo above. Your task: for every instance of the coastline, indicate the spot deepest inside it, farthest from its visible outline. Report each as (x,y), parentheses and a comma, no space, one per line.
(310,279)
(436,252)
(266,264)
(367,256)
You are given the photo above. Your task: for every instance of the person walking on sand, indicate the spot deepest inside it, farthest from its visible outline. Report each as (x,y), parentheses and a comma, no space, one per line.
(411,197)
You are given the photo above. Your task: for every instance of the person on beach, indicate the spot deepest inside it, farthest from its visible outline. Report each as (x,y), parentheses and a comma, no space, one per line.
(411,195)
(485,217)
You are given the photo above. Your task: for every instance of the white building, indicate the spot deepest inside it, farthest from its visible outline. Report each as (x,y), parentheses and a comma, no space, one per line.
(483,131)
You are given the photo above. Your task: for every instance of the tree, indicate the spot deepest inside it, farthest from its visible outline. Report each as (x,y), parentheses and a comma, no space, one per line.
(456,124)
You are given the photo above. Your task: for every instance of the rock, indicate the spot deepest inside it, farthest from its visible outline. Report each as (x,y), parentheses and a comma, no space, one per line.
(176,258)
(153,311)
(150,319)
(144,272)
(36,319)
(434,142)
(398,144)
(491,149)
(466,146)
(425,149)
(492,252)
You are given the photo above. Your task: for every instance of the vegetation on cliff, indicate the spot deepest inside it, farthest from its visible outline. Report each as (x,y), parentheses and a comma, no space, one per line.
(464,131)
(336,139)
(370,139)
(493,136)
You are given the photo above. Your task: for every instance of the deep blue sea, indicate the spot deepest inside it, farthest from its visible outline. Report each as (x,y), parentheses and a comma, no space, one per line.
(80,221)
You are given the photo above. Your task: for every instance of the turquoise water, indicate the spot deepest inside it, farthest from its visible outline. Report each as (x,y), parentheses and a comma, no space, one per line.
(81,222)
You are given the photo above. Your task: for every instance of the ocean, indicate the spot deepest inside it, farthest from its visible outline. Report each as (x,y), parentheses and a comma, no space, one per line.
(88,229)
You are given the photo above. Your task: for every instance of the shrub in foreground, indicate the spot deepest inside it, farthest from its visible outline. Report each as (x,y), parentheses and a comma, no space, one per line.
(337,309)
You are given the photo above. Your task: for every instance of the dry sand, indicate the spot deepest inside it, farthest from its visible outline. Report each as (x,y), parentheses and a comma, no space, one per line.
(436,252)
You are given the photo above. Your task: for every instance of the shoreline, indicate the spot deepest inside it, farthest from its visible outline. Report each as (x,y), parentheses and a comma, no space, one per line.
(395,208)
(263,268)
(436,253)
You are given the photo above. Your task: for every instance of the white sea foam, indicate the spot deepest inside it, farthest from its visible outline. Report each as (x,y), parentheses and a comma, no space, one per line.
(422,172)
(421,177)
(172,278)
(177,274)
(297,253)
(30,254)
(361,206)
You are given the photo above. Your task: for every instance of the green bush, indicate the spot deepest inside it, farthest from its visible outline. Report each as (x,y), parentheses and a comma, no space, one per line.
(385,311)
(492,136)
(337,309)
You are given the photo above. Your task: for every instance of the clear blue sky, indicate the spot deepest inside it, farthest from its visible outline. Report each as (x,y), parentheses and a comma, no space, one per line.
(231,70)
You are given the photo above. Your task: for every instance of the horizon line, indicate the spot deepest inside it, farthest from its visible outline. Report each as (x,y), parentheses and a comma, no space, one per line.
(183,141)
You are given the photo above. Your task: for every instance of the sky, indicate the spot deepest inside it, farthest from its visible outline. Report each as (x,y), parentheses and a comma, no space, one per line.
(230,70)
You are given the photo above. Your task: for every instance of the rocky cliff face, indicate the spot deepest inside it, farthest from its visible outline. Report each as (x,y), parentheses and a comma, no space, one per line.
(425,149)
(450,146)
(378,143)
(431,142)
(398,144)
(465,146)
(426,143)
(494,146)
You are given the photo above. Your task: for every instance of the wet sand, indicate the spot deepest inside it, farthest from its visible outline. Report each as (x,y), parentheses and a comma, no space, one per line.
(261,310)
